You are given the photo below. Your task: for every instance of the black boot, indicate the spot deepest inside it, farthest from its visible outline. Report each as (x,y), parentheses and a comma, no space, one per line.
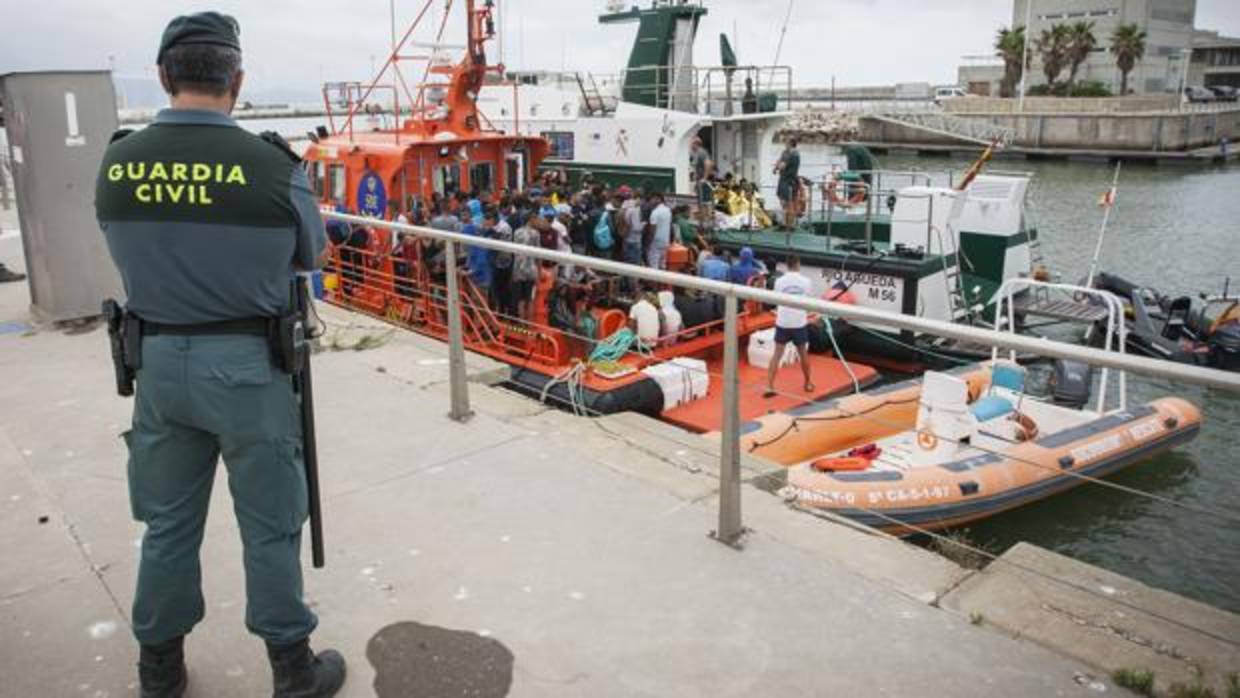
(8,275)
(298,673)
(161,669)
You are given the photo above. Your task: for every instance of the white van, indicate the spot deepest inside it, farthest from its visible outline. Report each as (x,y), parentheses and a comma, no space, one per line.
(942,93)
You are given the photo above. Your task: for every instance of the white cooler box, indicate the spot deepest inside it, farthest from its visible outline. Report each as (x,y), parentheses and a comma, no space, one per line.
(762,349)
(681,380)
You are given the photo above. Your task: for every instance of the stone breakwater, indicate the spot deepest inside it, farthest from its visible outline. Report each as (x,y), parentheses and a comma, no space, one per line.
(817,126)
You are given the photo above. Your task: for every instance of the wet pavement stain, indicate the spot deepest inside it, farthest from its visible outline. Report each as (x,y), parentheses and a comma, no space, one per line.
(413,660)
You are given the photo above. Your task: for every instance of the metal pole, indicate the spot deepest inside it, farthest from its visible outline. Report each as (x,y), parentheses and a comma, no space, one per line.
(730,527)
(1024,54)
(1106,218)
(456,346)
(869,223)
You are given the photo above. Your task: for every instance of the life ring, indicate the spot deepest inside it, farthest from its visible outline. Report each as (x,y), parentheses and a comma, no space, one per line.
(857,192)
(927,441)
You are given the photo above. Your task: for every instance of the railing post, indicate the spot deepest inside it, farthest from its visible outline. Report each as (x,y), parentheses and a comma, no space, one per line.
(730,528)
(457,378)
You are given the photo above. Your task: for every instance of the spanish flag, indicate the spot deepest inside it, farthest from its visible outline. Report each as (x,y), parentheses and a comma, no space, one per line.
(1107,200)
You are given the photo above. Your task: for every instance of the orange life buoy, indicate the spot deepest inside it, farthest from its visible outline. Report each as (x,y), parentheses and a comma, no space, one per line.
(830,465)
(858,191)
(927,440)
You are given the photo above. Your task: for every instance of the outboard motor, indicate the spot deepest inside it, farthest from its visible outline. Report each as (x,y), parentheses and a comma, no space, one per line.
(1177,318)
(1072,383)
(1225,347)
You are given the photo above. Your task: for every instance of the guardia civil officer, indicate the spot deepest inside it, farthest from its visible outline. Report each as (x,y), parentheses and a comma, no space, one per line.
(207,225)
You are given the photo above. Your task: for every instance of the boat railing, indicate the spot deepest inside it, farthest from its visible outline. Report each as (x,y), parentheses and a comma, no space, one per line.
(829,211)
(1115,339)
(730,528)
(405,292)
(353,98)
(708,90)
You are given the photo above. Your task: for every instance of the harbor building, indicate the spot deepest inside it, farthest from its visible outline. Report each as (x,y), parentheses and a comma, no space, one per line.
(1168,26)
(1215,60)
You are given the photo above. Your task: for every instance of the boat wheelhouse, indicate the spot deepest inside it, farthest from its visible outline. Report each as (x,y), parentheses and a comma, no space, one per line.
(913,244)
(443,146)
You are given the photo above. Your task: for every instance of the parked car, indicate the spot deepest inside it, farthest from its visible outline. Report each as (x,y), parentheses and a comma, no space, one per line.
(1224,93)
(1198,94)
(942,93)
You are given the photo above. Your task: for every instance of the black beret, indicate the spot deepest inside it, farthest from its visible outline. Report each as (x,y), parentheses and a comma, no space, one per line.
(201,28)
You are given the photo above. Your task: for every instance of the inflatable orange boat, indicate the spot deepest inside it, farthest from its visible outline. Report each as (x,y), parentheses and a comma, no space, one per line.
(969,455)
(799,434)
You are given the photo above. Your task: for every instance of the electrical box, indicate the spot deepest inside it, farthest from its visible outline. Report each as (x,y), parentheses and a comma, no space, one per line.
(58,125)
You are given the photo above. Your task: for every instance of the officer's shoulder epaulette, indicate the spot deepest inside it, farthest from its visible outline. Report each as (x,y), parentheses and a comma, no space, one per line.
(119,134)
(278,141)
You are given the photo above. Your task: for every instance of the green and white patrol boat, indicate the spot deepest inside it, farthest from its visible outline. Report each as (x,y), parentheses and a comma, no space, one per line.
(637,127)
(922,249)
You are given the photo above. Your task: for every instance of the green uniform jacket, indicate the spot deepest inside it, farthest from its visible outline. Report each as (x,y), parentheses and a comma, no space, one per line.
(204,220)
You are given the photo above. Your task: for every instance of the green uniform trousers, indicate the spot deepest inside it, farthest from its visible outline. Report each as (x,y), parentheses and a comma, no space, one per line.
(199,398)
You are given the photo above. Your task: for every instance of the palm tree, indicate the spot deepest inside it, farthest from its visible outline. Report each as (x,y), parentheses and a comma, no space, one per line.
(1081,42)
(1128,45)
(1010,46)
(1052,46)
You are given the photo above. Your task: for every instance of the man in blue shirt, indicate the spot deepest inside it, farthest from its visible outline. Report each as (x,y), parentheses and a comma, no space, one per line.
(479,259)
(713,266)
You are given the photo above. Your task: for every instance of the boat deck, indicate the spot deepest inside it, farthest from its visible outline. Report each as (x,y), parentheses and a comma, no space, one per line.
(829,375)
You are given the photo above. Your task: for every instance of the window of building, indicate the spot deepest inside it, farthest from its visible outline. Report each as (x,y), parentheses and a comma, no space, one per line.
(562,144)
(1171,11)
(1154,85)
(335,175)
(481,178)
(1104,13)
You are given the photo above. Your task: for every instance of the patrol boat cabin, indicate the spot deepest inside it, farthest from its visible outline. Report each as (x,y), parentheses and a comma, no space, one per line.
(441,145)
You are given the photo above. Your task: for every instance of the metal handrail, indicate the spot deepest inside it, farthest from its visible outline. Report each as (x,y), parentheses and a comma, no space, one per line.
(1195,375)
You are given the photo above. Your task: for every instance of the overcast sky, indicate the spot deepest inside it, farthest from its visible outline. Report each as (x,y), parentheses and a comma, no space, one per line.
(293,44)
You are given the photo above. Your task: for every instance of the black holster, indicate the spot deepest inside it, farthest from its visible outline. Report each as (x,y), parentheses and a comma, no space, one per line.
(125,338)
(287,338)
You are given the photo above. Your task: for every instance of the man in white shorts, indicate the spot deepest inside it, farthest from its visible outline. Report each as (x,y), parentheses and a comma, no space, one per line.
(791,325)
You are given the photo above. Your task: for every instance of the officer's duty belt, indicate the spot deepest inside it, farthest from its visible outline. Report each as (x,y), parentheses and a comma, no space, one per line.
(257,326)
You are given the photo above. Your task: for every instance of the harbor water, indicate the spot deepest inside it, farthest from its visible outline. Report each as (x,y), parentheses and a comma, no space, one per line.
(1178,230)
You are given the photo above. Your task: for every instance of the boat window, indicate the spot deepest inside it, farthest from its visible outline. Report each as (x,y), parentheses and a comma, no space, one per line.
(513,172)
(336,176)
(314,172)
(561,143)
(481,178)
(447,179)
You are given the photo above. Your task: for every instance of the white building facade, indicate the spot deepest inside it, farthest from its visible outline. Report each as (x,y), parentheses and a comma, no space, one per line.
(1168,25)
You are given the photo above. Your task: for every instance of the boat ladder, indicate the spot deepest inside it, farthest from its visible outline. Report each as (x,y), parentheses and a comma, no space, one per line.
(1035,250)
(591,97)
(956,297)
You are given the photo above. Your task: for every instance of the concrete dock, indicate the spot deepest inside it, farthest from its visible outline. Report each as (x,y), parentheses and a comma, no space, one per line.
(525,553)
